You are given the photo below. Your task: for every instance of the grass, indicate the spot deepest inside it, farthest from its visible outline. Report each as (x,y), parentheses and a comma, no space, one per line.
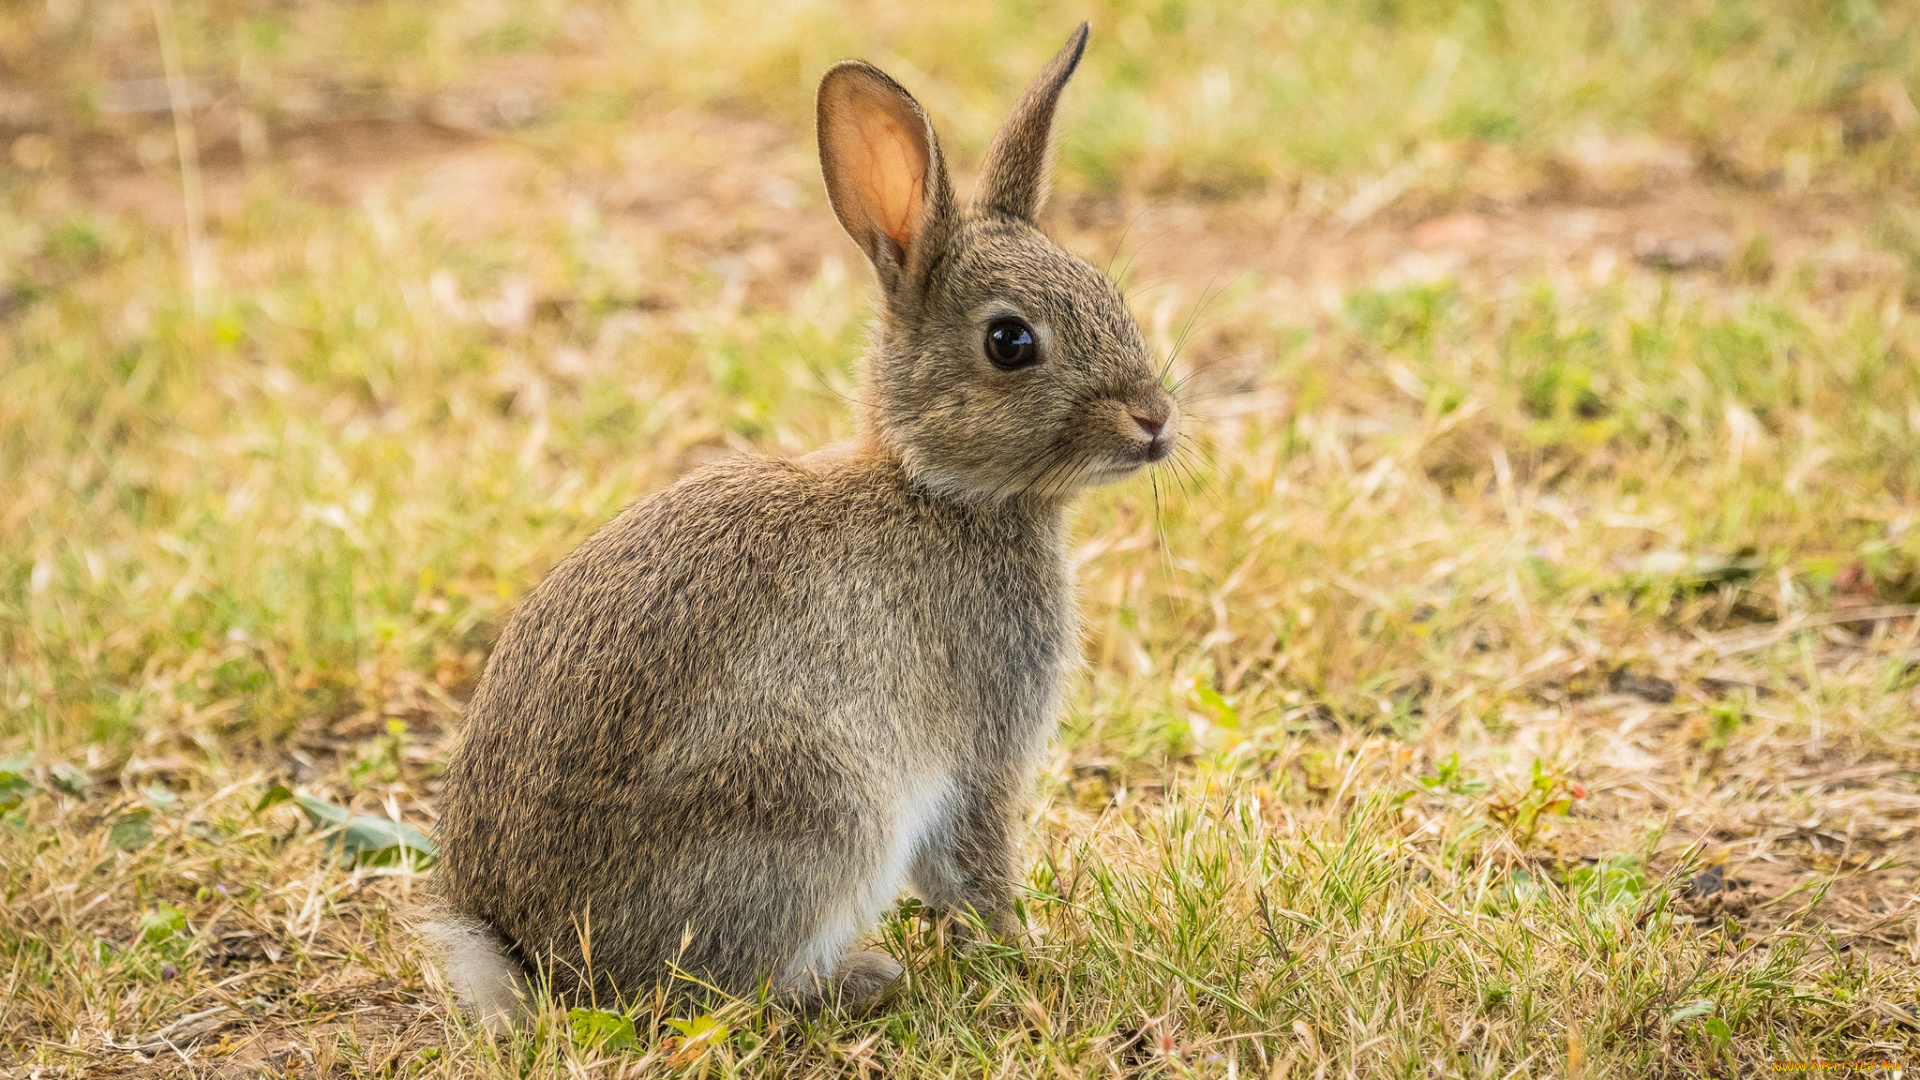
(1517,677)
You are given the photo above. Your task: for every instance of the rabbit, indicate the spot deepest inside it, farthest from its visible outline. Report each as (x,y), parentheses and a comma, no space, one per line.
(712,747)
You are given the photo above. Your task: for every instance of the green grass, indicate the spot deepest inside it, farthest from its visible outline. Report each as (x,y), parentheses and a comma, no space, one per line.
(1500,598)
(1196,98)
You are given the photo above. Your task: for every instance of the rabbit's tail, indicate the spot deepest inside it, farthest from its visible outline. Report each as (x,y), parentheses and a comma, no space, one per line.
(489,982)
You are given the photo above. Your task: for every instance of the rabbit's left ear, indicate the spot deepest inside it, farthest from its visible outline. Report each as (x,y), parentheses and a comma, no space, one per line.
(884,175)
(1014,180)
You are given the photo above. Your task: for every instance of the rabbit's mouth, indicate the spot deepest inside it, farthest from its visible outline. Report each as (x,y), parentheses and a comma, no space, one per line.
(1114,471)
(1145,453)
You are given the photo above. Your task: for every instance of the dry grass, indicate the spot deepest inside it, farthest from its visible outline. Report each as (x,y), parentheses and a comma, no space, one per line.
(1517,677)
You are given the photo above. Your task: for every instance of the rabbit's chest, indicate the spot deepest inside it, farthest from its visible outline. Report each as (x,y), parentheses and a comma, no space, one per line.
(922,802)
(995,669)
(963,638)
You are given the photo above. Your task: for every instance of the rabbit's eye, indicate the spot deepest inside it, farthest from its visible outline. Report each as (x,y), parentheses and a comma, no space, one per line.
(1011,344)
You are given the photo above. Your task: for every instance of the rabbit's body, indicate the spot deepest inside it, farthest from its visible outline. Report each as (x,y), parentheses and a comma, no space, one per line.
(784,734)
(720,738)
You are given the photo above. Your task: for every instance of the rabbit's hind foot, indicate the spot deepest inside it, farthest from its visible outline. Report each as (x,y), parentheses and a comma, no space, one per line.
(863,982)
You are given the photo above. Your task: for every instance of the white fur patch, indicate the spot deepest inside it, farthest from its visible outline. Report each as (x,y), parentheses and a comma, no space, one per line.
(920,809)
(489,984)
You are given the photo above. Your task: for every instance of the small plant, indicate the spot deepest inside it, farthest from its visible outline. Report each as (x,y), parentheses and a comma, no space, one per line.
(696,1036)
(132,831)
(1548,793)
(1723,721)
(364,840)
(1452,778)
(1610,881)
(600,1029)
(15,785)
(161,933)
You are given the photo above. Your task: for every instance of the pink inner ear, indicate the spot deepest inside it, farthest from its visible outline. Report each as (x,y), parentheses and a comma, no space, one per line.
(895,176)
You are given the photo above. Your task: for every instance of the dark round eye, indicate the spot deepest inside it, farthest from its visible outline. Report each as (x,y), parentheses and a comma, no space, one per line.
(1010,344)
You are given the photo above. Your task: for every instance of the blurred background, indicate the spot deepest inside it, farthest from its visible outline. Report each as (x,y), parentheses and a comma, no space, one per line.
(329,325)
(1554,367)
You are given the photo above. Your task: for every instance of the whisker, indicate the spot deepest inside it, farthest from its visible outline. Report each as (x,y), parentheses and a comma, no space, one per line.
(1117,244)
(1207,297)
(1144,244)
(1062,452)
(1194,482)
(1084,466)
(1146,284)
(820,375)
(1067,481)
(1160,533)
(1180,341)
(1048,453)
(1198,481)
(1210,395)
(1206,366)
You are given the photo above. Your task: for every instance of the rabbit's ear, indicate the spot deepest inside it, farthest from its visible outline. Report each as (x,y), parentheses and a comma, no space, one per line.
(884,175)
(1014,181)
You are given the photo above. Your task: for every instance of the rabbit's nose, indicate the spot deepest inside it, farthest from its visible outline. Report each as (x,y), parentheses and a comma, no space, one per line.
(1153,423)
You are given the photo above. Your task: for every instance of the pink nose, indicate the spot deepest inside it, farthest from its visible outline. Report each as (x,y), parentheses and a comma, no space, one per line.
(1152,425)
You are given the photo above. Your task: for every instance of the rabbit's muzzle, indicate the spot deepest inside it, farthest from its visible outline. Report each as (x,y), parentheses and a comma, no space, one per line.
(1146,427)
(1159,424)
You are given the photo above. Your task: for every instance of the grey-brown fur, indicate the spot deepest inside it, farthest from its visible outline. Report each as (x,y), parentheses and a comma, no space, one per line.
(723,732)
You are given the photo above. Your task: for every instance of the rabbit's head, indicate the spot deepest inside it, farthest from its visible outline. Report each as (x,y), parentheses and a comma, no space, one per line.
(1004,367)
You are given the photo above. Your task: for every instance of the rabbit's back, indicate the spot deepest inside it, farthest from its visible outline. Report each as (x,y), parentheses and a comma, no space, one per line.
(768,673)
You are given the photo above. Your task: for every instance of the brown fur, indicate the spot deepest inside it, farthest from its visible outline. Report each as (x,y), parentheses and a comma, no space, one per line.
(720,734)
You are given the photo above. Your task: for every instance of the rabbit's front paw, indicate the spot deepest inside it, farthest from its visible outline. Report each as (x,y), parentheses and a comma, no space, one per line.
(1003,927)
(1011,930)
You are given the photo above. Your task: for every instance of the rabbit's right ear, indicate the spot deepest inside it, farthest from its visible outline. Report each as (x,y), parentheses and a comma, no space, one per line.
(1013,182)
(884,174)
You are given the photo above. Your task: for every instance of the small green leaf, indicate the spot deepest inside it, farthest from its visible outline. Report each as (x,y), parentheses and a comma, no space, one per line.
(598,1027)
(161,924)
(273,796)
(1224,712)
(380,842)
(1696,1007)
(697,1036)
(1450,775)
(132,831)
(15,787)
(1611,879)
(700,1027)
(1725,723)
(1719,1032)
(364,839)
(70,781)
(322,813)
(159,797)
